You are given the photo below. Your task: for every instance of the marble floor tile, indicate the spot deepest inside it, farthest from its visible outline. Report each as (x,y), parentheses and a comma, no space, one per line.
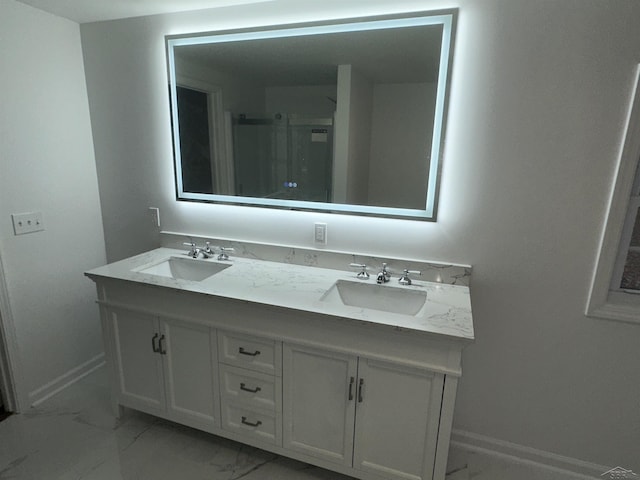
(73,436)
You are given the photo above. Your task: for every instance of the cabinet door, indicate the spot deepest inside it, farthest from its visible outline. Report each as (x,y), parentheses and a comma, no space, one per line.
(318,411)
(189,353)
(138,367)
(397,420)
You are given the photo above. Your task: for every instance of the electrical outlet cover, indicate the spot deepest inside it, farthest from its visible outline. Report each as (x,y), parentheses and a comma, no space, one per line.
(320,233)
(155,216)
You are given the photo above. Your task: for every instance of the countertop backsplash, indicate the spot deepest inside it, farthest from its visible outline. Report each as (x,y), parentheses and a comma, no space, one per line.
(448,273)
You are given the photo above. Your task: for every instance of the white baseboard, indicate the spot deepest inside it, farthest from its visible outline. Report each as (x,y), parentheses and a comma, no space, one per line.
(56,385)
(568,466)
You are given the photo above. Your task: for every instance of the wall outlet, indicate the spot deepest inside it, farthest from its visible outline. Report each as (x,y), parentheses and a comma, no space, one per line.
(320,233)
(155,216)
(27,222)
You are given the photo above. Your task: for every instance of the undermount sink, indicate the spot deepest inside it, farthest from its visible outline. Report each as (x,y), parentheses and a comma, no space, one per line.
(384,298)
(184,269)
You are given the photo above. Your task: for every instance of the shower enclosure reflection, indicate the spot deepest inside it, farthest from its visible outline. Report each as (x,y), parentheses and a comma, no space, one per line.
(283,156)
(286,157)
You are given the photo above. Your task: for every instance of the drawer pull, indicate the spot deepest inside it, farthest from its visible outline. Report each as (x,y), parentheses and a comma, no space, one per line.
(242,351)
(161,348)
(360,390)
(250,390)
(351,388)
(257,424)
(153,344)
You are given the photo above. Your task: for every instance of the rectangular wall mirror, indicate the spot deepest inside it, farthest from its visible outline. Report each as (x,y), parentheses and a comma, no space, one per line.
(343,117)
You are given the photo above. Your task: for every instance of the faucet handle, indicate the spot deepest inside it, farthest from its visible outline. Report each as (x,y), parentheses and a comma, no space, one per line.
(193,252)
(223,252)
(363,275)
(404,279)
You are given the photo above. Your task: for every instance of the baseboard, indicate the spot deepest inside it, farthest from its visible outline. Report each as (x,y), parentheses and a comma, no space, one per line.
(63,381)
(578,469)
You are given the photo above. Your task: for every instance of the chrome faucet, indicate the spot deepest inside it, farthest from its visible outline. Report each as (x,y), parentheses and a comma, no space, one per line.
(195,251)
(384,276)
(207,251)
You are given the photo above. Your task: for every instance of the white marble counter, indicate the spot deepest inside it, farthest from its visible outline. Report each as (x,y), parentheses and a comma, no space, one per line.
(447,309)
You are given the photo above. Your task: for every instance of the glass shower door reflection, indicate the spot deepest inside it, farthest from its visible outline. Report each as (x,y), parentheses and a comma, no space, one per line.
(283,157)
(311,160)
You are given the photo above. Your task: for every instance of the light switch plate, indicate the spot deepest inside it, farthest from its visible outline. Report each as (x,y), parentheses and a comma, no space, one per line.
(27,222)
(155,216)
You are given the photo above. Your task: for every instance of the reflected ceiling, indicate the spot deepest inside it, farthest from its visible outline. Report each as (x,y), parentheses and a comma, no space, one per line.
(410,57)
(86,11)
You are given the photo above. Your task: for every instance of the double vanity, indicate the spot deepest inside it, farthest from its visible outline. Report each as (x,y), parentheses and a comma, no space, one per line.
(293,352)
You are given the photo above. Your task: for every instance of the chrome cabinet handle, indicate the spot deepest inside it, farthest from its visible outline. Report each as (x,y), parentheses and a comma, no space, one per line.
(361,387)
(161,347)
(351,388)
(153,344)
(242,351)
(257,424)
(250,390)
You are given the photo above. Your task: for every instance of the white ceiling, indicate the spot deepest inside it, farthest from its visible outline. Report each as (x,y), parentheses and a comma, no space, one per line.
(85,11)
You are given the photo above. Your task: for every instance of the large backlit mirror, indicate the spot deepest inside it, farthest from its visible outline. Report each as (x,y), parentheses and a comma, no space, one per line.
(342,117)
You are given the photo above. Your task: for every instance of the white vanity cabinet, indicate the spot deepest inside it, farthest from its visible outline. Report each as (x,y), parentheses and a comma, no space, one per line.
(397,418)
(165,366)
(319,406)
(375,416)
(266,363)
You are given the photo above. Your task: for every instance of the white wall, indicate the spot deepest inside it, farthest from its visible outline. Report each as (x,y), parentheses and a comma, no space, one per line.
(352,137)
(538,100)
(400,124)
(360,106)
(239,94)
(301,99)
(47,164)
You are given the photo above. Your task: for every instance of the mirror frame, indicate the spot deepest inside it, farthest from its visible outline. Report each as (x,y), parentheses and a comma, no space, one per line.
(446,18)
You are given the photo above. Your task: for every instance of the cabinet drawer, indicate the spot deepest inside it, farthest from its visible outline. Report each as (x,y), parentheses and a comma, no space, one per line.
(250,422)
(253,353)
(260,390)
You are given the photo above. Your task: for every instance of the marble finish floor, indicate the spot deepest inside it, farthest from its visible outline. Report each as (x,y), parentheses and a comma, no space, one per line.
(73,436)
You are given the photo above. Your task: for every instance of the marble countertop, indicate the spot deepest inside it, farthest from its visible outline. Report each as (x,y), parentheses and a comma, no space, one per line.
(447,309)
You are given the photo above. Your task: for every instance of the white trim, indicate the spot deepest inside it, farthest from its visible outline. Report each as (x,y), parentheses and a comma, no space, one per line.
(221,165)
(227,170)
(600,303)
(65,380)
(445,430)
(514,452)
(10,367)
(625,240)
